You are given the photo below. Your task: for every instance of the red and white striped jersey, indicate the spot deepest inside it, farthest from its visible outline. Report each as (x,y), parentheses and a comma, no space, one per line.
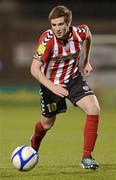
(61,62)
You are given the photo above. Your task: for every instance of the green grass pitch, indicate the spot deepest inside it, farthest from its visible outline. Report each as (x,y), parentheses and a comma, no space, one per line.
(61,150)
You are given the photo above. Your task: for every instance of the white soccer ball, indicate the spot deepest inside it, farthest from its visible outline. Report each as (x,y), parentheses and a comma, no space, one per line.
(24,158)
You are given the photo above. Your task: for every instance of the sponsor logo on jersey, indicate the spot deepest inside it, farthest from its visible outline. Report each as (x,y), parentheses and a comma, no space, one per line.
(41,49)
(67,57)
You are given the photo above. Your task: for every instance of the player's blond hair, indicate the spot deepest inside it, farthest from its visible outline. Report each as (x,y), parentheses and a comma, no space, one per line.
(61,11)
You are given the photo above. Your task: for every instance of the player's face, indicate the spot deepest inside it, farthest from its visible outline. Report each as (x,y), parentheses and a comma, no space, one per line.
(59,27)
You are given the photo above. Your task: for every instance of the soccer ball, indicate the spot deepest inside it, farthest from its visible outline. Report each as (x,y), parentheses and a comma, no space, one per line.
(24,158)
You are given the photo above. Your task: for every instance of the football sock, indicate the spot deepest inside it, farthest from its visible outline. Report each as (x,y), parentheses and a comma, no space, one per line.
(38,136)
(90,134)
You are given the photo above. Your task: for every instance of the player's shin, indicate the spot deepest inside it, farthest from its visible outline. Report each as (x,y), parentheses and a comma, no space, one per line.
(38,136)
(90,134)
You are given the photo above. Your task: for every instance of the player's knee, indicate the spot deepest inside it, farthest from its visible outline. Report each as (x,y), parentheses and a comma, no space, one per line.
(48,122)
(48,126)
(94,110)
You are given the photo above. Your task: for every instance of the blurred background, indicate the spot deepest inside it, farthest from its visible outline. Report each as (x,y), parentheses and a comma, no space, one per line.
(21,24)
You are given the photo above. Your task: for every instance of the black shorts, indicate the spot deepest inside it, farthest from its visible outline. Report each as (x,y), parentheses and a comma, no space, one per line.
(52,104)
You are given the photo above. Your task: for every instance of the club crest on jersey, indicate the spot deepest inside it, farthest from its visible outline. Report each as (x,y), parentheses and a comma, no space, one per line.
(86,88)
(41,49)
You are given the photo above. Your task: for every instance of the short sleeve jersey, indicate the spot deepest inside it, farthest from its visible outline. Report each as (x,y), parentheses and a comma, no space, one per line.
(61,62)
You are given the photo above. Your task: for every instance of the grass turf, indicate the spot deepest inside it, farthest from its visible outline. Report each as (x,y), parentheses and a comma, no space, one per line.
(60,152)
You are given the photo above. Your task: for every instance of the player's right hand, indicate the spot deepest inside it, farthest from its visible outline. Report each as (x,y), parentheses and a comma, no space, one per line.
(60,90)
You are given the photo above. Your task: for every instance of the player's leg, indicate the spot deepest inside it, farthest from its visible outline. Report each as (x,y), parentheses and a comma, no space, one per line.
(51,105)
(89,104)
(80,94)
(41,129)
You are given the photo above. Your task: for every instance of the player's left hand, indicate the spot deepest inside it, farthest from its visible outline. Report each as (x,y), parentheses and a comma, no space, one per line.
(87,69)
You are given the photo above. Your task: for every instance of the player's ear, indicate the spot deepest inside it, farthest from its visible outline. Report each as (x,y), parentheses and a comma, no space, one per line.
(68,23)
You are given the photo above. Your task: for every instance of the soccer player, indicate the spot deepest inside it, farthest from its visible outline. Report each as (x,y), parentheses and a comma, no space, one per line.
(56,66)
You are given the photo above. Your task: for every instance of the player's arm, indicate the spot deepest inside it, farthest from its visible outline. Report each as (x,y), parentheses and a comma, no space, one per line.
(86,50)
(39,75)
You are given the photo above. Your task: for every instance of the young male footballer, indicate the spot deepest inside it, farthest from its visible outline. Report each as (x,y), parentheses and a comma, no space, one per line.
(56,66)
